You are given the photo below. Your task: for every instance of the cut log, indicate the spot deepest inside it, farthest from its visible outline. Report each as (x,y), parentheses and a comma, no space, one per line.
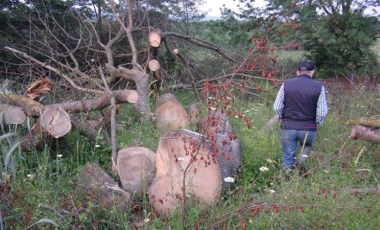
(155,38)
(365,134)
(154,65)
(14,115)
(30,106)
(56,121)
(136,169)
(100,188)
(365,122)
(170,114)
(33,108)
(187,158)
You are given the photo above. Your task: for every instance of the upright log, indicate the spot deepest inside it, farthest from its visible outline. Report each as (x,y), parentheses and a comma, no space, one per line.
(189,166)
(136,169)
(170,114)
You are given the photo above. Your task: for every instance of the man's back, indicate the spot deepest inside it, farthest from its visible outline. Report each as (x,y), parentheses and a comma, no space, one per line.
(300,103)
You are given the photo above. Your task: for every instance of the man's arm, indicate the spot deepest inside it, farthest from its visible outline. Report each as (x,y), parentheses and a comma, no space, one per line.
(322,107)
(278,105)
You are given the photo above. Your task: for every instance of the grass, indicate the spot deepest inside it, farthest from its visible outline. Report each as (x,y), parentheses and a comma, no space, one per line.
(39,191)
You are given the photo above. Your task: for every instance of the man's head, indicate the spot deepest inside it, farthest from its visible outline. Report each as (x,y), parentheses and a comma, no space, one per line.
(306,67)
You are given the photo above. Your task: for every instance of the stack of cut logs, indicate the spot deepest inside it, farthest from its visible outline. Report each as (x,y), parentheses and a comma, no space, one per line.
(186,167)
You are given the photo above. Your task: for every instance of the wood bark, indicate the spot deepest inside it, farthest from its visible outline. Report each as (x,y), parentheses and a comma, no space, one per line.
(95,184)
(136,169)
(188,166)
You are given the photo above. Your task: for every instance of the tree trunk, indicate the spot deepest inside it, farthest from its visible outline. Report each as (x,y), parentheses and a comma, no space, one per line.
(188,165)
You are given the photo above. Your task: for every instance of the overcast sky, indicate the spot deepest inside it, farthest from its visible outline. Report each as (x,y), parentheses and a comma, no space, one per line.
(212,7)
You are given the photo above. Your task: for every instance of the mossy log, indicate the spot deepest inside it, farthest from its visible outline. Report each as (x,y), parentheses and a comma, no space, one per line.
(365,122)
(97,186)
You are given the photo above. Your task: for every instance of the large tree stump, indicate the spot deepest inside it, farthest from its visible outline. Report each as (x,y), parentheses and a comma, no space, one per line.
(136,169)
(97,186)
(188,165)
(170,114)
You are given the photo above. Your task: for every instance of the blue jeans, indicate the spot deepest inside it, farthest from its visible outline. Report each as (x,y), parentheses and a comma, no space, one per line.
(290,139)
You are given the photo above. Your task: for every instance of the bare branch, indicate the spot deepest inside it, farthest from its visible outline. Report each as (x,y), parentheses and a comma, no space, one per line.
(51,68)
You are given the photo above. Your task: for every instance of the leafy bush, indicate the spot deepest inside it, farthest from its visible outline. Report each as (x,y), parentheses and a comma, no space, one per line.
(341,43)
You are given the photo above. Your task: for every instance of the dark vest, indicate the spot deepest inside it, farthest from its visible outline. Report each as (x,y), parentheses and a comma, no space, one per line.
(300,103)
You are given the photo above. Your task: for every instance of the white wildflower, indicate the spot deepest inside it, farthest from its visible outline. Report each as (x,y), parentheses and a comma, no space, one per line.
(304,155)
(146,220)
(229,179)
(270,161)
(263,169)
(59,155)
(97,146)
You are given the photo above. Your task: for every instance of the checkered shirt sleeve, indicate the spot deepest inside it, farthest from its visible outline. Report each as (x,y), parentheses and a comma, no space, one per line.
(278,105)
(322,107)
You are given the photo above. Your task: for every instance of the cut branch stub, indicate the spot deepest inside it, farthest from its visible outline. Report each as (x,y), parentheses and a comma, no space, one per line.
(155,38)
(136,169)
(14,115)
(56,121)
(154,65)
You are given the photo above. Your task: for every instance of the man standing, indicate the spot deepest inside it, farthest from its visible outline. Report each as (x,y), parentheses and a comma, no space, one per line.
(301,104)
